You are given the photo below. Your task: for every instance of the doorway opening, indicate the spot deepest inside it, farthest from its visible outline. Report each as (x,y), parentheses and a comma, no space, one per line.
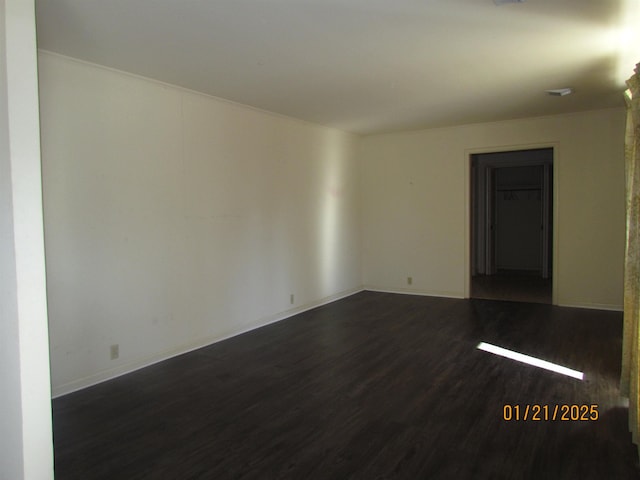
(512,225)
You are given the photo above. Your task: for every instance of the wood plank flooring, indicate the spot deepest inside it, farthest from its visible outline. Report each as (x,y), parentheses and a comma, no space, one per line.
(374,386)
(512,286)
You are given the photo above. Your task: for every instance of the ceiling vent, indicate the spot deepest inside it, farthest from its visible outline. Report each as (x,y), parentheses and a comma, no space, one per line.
(559,92)
(503,2)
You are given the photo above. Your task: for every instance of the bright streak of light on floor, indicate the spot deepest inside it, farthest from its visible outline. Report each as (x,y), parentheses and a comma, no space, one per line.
(536,362)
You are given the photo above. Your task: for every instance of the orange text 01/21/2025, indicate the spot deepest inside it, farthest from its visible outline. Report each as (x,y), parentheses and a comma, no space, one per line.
(540,413)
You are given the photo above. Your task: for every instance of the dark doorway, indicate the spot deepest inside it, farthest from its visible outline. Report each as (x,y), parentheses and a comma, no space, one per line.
(512,225)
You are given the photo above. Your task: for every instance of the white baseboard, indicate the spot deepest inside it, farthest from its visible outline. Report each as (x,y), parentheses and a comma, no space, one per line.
(130,367)
(593,306)
(407,291)
(590,306)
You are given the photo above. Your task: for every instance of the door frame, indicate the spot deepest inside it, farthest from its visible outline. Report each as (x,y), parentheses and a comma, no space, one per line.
(470,178)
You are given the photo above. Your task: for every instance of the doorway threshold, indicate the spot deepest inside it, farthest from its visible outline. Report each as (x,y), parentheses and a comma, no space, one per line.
(514,286)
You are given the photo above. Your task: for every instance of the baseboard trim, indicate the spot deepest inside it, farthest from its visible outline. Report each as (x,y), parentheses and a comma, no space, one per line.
(421,293)
(593,306)
(130,367)
(589,306)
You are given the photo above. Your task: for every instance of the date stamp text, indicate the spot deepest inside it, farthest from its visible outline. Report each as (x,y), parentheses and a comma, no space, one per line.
(550,413)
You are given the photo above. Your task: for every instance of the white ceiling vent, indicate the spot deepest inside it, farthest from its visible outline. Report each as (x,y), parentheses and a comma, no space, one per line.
(559,92)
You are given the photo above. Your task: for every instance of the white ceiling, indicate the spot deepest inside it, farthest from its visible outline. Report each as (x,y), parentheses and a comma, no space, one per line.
(364,66)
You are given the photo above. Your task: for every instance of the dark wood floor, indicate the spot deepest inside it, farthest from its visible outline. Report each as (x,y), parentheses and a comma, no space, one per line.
(375,386)
(512,286)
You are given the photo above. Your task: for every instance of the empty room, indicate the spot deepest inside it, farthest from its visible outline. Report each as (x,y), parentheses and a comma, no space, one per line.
(277,239)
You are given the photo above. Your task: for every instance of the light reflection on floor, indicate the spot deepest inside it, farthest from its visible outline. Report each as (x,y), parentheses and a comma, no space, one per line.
(536,362)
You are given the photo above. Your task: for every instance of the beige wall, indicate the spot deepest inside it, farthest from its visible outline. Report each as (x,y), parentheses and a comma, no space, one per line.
(415,190)
(174,219)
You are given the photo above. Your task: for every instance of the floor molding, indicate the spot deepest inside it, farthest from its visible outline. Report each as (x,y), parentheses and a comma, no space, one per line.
(421,293)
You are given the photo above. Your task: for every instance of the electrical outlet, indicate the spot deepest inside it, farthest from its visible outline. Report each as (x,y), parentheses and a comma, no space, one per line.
(409,280)
(291,299)
(115,351)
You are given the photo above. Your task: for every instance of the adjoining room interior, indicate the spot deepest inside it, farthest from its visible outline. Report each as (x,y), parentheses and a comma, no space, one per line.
(512,225)
(243,239)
